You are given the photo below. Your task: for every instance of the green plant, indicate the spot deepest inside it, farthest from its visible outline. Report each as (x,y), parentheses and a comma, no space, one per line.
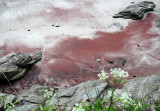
(99,105)
(48,94)
(157,105)
(8,106)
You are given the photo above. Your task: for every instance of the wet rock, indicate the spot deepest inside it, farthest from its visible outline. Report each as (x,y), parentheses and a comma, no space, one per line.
(87,91)
(6,98)
(15,65)
(136,11)
(157,22)
(33,95)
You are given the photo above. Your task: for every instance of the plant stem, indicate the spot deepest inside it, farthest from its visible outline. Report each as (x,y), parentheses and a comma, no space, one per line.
(111,100)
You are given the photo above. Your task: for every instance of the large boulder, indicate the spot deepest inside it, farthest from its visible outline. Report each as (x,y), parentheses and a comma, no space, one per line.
(136,11)
(87,91)
(15,65)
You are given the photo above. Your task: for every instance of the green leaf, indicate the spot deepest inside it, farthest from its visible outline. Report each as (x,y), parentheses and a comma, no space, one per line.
(122,81)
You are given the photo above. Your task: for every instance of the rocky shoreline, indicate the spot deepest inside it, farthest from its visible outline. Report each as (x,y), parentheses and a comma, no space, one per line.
(90,91)
(66,98)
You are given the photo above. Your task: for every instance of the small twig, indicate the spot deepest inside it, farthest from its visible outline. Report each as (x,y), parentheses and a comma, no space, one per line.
(111,100)
(12,87)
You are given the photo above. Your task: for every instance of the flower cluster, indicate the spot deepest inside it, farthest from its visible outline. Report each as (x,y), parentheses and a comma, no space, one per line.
(126,99)
(78,108)
(118,72)
(103,75)
(110,94)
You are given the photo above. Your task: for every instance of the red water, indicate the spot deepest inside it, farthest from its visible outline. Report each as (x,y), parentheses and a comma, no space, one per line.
(73,60)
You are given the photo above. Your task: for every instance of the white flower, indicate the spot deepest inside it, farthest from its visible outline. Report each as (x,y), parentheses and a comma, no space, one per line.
(78,108)
(110,94)
(118,72)
(103,75)
(126,98)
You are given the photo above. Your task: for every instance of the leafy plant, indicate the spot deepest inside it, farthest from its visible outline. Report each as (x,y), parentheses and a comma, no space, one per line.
(8,106)
(157,105)
(48,94)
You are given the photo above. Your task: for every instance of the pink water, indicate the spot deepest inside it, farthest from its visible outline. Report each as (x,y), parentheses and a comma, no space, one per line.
(73,60)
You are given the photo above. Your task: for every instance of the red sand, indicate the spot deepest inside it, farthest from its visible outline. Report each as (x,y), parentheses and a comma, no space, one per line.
(73,60)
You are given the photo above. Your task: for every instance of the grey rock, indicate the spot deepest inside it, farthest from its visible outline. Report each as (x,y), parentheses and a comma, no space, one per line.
(33,95)
(136,11)
(147,88)
(26,107)
(15,65)
(157,22)
(68,97)
(6,98)
(144,87)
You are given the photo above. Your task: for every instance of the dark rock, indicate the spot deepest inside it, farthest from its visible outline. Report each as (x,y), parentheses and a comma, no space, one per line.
(15,65)
(1,89)
(57,26)
(136,11)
